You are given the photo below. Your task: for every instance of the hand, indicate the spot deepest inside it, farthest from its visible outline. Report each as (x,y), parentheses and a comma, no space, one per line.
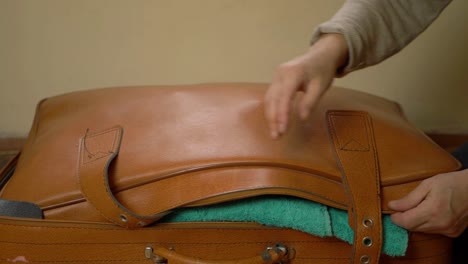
(312,73)
(438,205)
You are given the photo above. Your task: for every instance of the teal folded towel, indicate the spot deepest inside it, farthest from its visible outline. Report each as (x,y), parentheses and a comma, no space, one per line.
(291,212)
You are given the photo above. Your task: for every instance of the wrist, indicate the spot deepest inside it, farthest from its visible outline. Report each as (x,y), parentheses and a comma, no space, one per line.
(333,46)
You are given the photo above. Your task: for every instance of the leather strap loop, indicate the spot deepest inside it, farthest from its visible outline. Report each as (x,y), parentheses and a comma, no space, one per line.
(96,153)
(353,140)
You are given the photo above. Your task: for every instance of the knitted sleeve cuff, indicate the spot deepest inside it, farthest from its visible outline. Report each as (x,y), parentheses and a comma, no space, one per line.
(375,29)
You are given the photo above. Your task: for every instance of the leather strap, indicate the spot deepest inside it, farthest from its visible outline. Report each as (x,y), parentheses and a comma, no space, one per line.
(278,254)
(96,153)
(97,150)
(353,140)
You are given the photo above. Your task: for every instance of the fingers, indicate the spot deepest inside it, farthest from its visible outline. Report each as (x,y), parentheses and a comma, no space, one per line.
(280,96)
(313,94)
(311,72)
(270,112)
(413,218)
(278,99)
(430,217)
(413,199)
(412,210)
(438,205)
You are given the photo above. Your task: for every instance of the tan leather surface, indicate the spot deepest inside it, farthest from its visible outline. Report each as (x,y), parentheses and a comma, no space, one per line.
(79,243)
(353,140)
(198,144)
(269,256)
(132,154)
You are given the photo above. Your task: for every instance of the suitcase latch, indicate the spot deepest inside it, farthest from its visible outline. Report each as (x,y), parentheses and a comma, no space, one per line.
(150,255)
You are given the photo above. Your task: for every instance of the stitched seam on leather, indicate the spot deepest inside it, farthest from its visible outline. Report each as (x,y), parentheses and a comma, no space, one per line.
(198,244)
(105,183)
(368,127)
(332,129)
(399,259)
(134,230)
(81,199)
(121,208)
(377,185)
(168,208)
(322,197)
(79,180)
(376,180)
(208,168)
(85,148)
(87,198)
(181,243)
(331,124)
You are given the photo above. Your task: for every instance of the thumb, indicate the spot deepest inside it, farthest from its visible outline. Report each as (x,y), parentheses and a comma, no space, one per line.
(412,199)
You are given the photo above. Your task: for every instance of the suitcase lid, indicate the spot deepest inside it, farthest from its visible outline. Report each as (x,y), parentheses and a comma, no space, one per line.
(200,144)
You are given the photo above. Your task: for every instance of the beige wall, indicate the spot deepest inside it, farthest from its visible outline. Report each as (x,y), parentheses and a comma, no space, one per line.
(49,47)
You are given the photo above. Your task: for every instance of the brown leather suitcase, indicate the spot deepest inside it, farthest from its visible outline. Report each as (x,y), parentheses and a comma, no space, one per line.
(106,165)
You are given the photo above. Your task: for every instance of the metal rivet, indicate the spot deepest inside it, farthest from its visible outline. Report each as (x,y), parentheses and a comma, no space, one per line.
(365,259)
(141,223)
(367,222)
(123,218)
(148,252)
(367,241)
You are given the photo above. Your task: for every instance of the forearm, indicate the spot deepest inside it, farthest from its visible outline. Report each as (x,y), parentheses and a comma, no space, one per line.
(376,29)
(332,47)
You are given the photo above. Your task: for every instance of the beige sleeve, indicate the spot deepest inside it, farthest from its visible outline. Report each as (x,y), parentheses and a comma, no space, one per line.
(376,29)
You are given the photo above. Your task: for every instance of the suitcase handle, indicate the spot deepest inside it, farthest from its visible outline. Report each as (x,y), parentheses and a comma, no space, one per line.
(277,254)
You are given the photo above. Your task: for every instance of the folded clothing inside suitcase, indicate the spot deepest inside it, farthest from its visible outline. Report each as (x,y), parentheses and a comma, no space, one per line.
(291,212)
